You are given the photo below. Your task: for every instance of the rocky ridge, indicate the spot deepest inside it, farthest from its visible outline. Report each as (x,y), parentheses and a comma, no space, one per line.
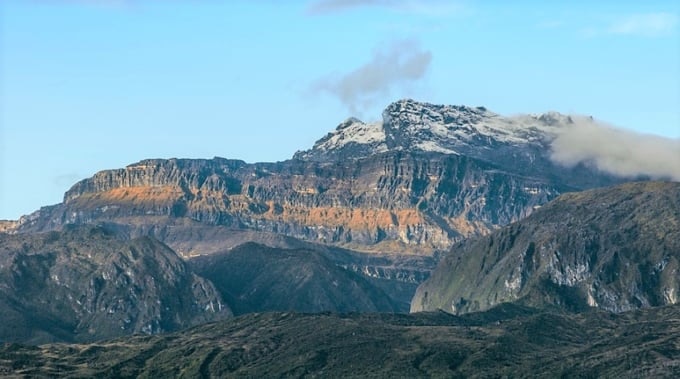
(615,249)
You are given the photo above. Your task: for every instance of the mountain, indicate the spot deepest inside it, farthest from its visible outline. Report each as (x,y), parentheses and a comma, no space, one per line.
(420,180)
(508,341)
(83,284)
(257,278)
(365,197)
(615,248)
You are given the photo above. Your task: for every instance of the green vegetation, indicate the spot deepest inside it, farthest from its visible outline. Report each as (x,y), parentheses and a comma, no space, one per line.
(507,341)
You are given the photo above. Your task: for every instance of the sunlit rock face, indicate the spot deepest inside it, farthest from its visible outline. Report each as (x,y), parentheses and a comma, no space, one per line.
(84,283)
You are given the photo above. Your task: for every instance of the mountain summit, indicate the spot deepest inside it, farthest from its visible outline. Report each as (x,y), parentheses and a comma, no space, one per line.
(408,125)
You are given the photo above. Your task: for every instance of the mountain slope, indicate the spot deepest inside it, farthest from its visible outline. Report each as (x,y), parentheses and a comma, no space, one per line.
(84,284)
(257,278)
(615,248)
(509,341)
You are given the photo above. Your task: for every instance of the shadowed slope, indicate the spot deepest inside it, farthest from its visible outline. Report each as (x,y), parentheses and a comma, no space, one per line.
(257,278)
(83,284)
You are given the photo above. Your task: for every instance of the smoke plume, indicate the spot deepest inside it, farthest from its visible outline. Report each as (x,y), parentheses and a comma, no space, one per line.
(402,63)
(617,151)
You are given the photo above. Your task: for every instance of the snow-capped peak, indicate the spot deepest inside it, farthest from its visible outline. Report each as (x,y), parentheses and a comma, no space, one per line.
(449,129)
(356,131)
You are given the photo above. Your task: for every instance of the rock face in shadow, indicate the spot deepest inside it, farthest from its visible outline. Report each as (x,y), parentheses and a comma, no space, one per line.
(424,178)
(615,248)
(83,284)
(257,278)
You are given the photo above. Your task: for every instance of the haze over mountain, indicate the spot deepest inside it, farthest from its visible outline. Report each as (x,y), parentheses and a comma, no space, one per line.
(615,248)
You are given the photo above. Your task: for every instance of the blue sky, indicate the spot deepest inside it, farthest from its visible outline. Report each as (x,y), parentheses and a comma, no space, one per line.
(87,85)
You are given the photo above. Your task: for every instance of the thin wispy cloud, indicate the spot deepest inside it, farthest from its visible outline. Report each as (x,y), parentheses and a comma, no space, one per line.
(119,3)
(66,180)
(651,24)
(641,25)
(421,7)
(618,151)
(88,2)
(399,65)
(550,24)
(329,6)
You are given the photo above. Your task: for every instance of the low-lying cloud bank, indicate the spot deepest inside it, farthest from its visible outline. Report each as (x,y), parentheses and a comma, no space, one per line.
(618,151)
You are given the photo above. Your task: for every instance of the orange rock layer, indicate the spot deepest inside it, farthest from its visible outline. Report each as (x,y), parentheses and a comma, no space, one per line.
(141,195)
(352,218)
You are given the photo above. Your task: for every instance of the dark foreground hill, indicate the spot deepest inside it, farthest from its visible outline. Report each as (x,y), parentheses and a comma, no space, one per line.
(87,283)
(257,278)
(615,248)
(83,284)
(509,341)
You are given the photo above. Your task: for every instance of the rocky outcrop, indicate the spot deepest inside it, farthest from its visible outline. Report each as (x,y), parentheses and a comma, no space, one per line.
(616,249)
(8,226)
(83,284)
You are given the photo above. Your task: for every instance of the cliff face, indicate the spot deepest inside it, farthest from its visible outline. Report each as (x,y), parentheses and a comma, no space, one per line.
(424,178)
(616,248)
(392,202)
(83,284)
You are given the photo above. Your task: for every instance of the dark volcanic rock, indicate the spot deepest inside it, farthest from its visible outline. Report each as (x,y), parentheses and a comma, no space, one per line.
(83,284)
(616,248)
(256,278)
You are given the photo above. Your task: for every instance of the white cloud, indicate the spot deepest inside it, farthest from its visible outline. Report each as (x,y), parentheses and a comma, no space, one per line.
(650,24)
(329,6)
(617,151)
(420,7)
(641,24)
(66,180)
(550,24)
(401,64)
